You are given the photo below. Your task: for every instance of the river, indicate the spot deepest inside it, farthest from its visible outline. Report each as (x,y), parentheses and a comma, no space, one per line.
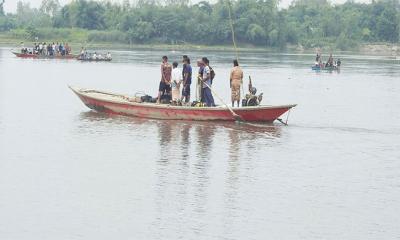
(70,173)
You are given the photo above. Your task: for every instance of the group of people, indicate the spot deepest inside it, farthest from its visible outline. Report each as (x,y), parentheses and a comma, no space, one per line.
(47,49)
(175,84)
(330,63)
(84,55)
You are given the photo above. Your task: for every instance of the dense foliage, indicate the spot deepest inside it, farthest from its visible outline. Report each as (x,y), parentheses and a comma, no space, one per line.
(310,23)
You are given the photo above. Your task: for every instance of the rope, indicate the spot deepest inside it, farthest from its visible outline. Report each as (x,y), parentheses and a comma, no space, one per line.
(233,36)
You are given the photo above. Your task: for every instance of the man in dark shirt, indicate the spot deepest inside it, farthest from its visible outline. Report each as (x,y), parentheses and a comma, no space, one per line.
(187,79)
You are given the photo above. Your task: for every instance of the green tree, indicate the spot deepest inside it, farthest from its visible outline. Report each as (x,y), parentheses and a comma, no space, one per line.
(1,7)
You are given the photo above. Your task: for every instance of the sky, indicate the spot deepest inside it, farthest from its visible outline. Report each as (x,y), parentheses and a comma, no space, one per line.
(11,5)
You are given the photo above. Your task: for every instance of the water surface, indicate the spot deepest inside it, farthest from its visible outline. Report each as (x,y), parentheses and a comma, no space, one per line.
(69,173)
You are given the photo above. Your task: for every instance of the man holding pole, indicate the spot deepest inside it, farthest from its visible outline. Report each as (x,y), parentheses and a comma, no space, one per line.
(207,95)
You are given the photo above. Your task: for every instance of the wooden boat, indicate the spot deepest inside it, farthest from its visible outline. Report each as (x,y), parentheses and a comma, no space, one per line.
(37,56)
(122,105)
(318,68)
(94,60)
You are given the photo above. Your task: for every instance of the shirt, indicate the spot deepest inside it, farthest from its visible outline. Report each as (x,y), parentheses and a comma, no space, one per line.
(166,70)
(176,77)
(206,71)
(187,69)
(236,74)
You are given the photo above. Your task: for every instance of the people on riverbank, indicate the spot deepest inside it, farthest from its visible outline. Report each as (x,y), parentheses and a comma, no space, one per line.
(236,80)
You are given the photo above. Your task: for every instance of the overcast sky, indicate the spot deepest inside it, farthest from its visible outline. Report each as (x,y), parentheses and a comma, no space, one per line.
(11,5)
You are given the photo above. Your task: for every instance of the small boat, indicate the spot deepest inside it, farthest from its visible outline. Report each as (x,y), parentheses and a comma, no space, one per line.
(123,105)
(318,68)
(37,56)
(94,60)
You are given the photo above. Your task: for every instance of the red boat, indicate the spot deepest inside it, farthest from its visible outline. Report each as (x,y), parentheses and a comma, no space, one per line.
(37,56)
(122,105)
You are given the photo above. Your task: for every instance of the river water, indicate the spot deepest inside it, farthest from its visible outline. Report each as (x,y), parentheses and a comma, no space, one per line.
(69,173)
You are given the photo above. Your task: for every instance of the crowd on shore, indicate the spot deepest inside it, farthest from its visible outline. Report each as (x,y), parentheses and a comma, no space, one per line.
(173,79)
(47,49)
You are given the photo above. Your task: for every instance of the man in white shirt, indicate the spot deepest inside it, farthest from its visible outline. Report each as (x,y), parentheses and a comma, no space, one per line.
(208,97)
(176,82)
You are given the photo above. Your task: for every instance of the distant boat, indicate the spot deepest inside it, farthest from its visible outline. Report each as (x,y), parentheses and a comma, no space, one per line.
(94,60)
(318,68)
(38,56)
(122,105)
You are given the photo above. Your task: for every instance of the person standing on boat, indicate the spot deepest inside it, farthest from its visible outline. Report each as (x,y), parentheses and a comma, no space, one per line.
(165,83)
(176,82)
(330,61)
(82,53)
(67,49)
(41,48)
(187,80)
(236,81)
(208,97)
(199,89)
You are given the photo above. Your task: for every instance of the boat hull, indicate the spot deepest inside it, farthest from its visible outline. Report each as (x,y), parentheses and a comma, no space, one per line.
(119,104)
(37,56)
(94,60)
(317,68)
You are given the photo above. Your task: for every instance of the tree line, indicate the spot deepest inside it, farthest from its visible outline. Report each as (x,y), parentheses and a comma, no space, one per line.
(311,23)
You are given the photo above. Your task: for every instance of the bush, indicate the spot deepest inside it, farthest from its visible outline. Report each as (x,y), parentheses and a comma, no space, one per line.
(107,36)
(344,43)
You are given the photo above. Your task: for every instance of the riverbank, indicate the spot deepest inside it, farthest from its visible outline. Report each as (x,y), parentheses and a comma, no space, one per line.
(78,38)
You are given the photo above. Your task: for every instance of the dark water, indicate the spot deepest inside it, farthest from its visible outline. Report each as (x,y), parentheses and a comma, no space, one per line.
(69,173)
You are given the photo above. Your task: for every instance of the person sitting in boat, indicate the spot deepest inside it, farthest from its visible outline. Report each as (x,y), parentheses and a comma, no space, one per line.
(236,80)
(208,97)
(108,56)
(176,80)
(165,83)
(251,99)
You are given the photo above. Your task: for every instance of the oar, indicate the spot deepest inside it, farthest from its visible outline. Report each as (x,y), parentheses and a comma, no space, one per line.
(235,116)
